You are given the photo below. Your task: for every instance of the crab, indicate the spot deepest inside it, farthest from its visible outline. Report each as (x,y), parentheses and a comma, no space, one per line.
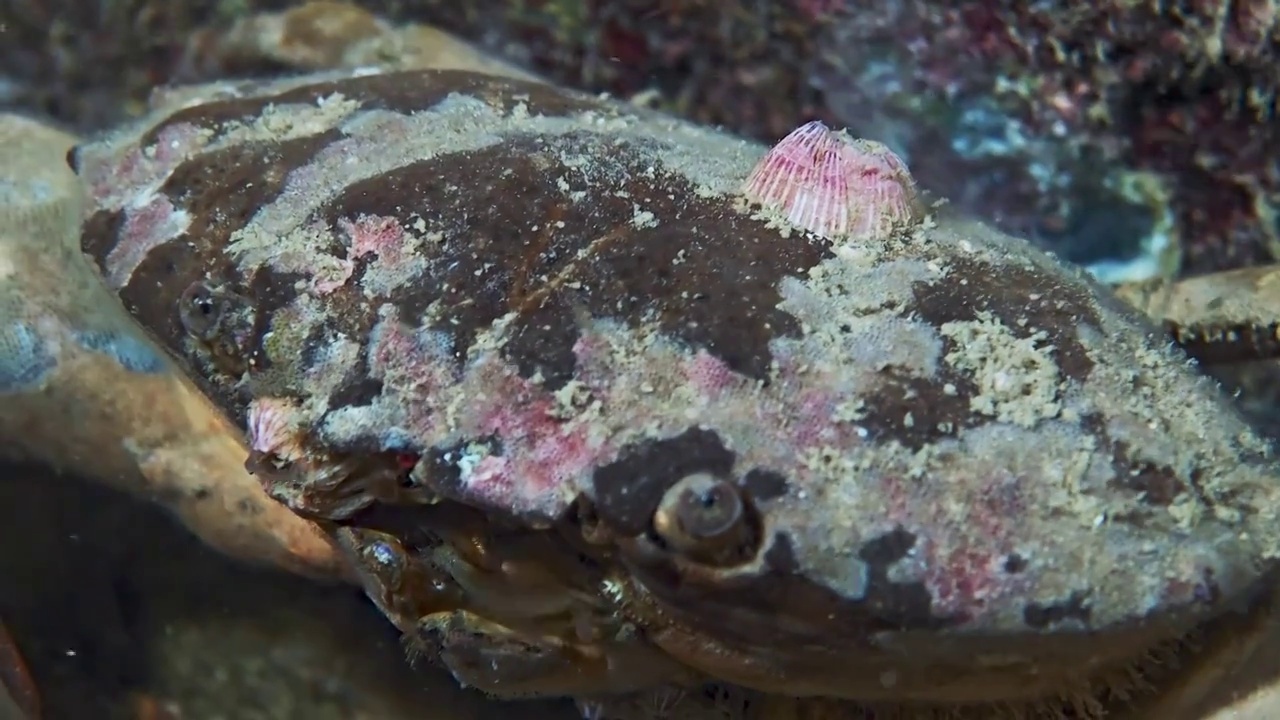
(599,403)
(604,405)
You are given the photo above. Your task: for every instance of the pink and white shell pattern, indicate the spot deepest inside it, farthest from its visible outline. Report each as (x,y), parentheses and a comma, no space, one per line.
(834,185)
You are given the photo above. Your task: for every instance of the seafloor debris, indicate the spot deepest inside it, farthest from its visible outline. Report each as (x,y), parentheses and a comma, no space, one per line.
(1220,317)
(1097,129)
(90,65)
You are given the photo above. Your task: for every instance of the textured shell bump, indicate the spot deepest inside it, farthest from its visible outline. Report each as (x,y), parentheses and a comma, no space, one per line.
(542,298)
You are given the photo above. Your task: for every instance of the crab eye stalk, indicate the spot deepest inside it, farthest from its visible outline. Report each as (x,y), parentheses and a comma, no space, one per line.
(221,322)
(201,311)
(707,519)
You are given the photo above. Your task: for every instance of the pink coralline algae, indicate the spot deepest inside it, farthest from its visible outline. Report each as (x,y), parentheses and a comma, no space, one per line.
(543,456)
(834,185)
(709,375)
(116,179)
(410,365)
(381,236)
(394,255)
(146,227)
(969,570)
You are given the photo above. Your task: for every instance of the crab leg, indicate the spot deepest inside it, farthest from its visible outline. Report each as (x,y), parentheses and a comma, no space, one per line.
(1224,317)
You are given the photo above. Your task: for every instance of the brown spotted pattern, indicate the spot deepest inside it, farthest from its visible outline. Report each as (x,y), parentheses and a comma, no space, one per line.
(552,309)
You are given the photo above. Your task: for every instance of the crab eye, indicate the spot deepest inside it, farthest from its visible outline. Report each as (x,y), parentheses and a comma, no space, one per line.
(201,311)
(706,518)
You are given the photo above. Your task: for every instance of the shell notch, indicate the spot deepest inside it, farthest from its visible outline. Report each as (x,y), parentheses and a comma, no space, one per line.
(834,185)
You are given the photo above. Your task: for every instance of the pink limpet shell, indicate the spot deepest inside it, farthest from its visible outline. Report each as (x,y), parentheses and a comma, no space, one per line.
(834,185)
(273,428)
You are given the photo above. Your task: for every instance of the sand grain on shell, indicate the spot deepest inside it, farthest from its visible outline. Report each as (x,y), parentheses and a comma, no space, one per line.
(1017,377)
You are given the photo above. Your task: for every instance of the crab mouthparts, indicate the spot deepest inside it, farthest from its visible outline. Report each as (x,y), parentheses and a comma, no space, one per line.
(573,610)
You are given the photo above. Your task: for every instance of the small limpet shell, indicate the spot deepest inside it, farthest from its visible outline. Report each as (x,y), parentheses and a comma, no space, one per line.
(834,185)
(273,428)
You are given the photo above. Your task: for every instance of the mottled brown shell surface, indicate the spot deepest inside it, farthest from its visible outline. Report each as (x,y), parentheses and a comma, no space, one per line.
(952,455)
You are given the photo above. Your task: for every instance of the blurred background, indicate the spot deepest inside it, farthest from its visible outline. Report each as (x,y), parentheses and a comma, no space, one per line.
(1114,131)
